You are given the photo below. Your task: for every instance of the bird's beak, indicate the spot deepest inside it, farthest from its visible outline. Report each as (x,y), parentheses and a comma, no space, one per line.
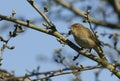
(69,32)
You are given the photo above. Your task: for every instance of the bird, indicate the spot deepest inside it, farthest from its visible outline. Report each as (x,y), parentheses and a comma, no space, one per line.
(85,38)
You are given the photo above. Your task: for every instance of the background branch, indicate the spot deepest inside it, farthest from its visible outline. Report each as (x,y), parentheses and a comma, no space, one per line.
(82,13)
(116,6)
(54,73)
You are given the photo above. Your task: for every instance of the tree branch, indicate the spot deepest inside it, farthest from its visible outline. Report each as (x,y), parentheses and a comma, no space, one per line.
(82,13)
(11,19)
(49,74)
(42,14)
(116,5)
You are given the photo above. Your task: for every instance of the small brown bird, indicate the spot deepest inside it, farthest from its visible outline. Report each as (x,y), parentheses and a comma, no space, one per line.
(85,38)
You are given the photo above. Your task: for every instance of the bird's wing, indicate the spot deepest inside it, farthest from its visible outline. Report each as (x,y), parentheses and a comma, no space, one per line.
(93,37)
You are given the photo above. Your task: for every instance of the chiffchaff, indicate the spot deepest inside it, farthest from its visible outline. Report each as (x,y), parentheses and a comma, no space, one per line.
(85,38)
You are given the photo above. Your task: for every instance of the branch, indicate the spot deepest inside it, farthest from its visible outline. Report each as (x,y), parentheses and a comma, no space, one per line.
(42,14)
(49,74)
(82,13)
(69,71)
(29,25)
(7,75)
(116,5)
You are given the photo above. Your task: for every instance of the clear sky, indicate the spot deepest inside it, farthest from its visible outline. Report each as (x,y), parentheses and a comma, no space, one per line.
(33,44)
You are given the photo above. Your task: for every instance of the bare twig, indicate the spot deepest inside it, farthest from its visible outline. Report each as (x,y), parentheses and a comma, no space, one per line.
(116,6)
(42,14)
(11,19)
(70,71)
(18,29)
(82,13)
(58,72)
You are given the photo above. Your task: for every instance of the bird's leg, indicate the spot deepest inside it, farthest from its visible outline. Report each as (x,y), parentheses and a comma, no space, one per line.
(69,33)
(89,50)
(75,57)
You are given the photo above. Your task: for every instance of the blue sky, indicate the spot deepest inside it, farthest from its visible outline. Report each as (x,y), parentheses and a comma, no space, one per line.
(31,44)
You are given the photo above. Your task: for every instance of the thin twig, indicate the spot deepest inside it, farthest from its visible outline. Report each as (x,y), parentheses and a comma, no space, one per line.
(11,19)
(42,14)
(75,70)
(82,13)
(58,72)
